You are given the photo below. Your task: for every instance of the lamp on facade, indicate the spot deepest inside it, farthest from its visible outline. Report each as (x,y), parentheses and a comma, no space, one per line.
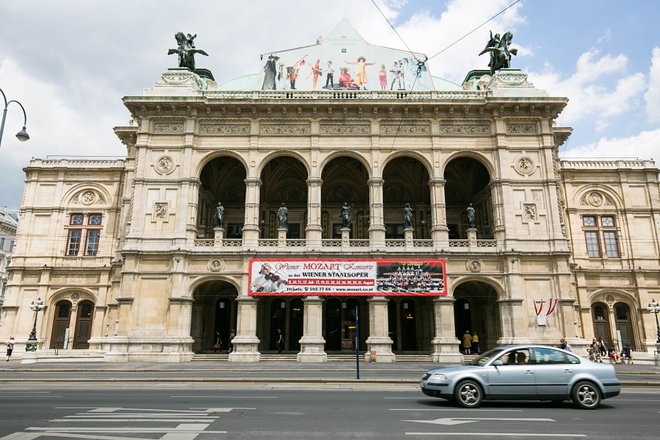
(654,308)
(36,307)
(21,135)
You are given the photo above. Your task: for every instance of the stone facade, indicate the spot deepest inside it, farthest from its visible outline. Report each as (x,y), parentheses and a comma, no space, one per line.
(129,263)
(8,225)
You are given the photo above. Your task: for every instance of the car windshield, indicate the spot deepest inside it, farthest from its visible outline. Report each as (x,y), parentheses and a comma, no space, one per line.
(486,357)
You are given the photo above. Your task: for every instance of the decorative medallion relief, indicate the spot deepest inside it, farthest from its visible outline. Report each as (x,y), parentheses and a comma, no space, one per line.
(176,77)
(164,165)
(521,129)
(87,197)
(524,166)
(75,297)
(530,213)
(345,129)
(160,210)
(595,199)
(405,129)
(216,265)
(464,129)
(168,127)
(474,266)
(238,129)
(284,129)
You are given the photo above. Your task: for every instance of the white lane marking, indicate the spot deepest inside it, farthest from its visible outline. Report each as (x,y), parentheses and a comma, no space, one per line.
(139,415)
(455,409)
(498,434)
(184,428)
(114,420)
(461,420)
(222,397)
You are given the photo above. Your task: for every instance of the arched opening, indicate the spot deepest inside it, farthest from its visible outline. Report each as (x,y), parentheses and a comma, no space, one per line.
(213,315)
(84,320)
(283,183)
(623,324)
(599,315)
(476,310)
(406,180)
(468,182)
(345,181)
(61,322)
(341,325)
(222,180)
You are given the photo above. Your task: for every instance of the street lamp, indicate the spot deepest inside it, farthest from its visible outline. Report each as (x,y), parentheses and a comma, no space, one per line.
(21,135)
(31,344)
(654,308)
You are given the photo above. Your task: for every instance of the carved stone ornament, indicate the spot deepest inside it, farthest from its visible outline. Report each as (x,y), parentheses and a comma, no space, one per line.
(237,129)
(530,213)
(88,197)
(164,165)
(510,79)
(160,210)
(464,130)
(609,299)
(75,297)
(524,166)
(474,266)
(168,127)
(345,129)
(179,78)
(594,198)
(216,265)
(405,129)
(521,129)
(285,129)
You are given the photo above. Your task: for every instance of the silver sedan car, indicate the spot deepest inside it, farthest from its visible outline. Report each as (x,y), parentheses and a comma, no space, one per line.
(533,372)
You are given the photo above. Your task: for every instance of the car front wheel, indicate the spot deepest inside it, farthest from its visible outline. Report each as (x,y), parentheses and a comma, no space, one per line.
(586,395)
(468,394)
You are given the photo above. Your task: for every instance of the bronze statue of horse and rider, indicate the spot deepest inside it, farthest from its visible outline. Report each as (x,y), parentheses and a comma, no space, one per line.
(500,53)
(186,50)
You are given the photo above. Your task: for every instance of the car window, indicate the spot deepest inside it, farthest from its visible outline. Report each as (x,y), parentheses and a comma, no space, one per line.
(549,356)
(515,357)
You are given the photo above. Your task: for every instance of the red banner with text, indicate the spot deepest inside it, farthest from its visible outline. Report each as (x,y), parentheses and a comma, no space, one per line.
(391,277)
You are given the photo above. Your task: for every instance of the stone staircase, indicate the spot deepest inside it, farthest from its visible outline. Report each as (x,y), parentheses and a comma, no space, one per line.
(292,357)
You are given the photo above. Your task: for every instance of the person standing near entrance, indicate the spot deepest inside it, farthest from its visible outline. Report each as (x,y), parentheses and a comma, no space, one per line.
(467,342)
(10,347)
(232,335)
(475,343)
(279,342)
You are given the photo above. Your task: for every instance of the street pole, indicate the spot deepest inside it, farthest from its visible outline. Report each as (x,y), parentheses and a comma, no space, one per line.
(30,356)
(21,135)
(357,341)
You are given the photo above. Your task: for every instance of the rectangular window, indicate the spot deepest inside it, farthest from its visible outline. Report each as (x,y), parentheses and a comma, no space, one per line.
(611,244)
(593,249)
(589,221)
(76,219)
(2,244)
(73,242)
(94,219)
(92,242)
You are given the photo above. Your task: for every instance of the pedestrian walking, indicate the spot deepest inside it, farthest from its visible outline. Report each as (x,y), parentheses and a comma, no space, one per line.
(279,342)
(467,342)
(10,347)
(475,343)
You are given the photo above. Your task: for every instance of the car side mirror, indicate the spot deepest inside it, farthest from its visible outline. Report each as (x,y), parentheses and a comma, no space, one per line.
(497,363)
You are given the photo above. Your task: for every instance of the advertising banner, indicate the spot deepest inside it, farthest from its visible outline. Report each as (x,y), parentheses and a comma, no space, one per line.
(340,277)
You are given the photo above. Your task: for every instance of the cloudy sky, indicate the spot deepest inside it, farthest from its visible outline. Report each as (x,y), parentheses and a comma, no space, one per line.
(69,62)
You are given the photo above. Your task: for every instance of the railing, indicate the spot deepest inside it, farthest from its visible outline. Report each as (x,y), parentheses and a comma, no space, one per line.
(347,95)
(337,243)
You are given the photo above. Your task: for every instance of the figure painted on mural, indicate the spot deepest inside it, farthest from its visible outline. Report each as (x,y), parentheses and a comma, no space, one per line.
(219,215)
(407,216)
(270,73)
(345,80)
(360,71)
(396,76)
(500,52)
(345,215)
(471,217)
(283,217)
(330,76)
(382,77)
(293,71)
(316,72)
(186,50)
(282,80)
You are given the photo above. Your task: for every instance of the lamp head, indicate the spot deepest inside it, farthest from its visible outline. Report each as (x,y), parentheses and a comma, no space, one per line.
(23,135)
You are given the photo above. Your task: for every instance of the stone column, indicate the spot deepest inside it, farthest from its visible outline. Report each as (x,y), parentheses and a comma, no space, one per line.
(312,342)
(246,343)
(251,222)
(445,344)
(117,350)
(376,225)
(314,230)
(379,339)
(439,229)
(512,325)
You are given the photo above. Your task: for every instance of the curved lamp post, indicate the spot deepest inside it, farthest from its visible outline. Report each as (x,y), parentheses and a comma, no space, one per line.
(21,135)
(31,344)
(654,308)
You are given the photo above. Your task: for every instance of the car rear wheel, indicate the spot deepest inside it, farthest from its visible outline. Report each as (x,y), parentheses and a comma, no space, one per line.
(586,395)
(468,394)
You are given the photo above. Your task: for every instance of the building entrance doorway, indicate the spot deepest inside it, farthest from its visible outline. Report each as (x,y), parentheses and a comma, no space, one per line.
(476,310)
(213,316)
(61,322)
(343,319)
(83,325)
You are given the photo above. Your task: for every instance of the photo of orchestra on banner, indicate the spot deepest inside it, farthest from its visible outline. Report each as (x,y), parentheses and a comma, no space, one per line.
(347,277)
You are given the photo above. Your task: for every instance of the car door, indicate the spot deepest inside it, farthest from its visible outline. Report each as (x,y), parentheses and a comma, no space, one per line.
(553,370)
(513,378)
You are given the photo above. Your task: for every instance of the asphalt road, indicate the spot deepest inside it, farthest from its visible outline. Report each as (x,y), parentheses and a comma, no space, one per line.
(199,411)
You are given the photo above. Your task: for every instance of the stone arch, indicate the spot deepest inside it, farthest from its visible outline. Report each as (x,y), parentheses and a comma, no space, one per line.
(483,160)
(72,197)
(263,162)
(208,158)
(216,277)
(214,311)
(346,153)
(423,159)
(583,197)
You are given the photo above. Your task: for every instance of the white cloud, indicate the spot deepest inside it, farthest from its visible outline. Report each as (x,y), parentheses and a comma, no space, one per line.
(652,95)
(588,91)
(645,145)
